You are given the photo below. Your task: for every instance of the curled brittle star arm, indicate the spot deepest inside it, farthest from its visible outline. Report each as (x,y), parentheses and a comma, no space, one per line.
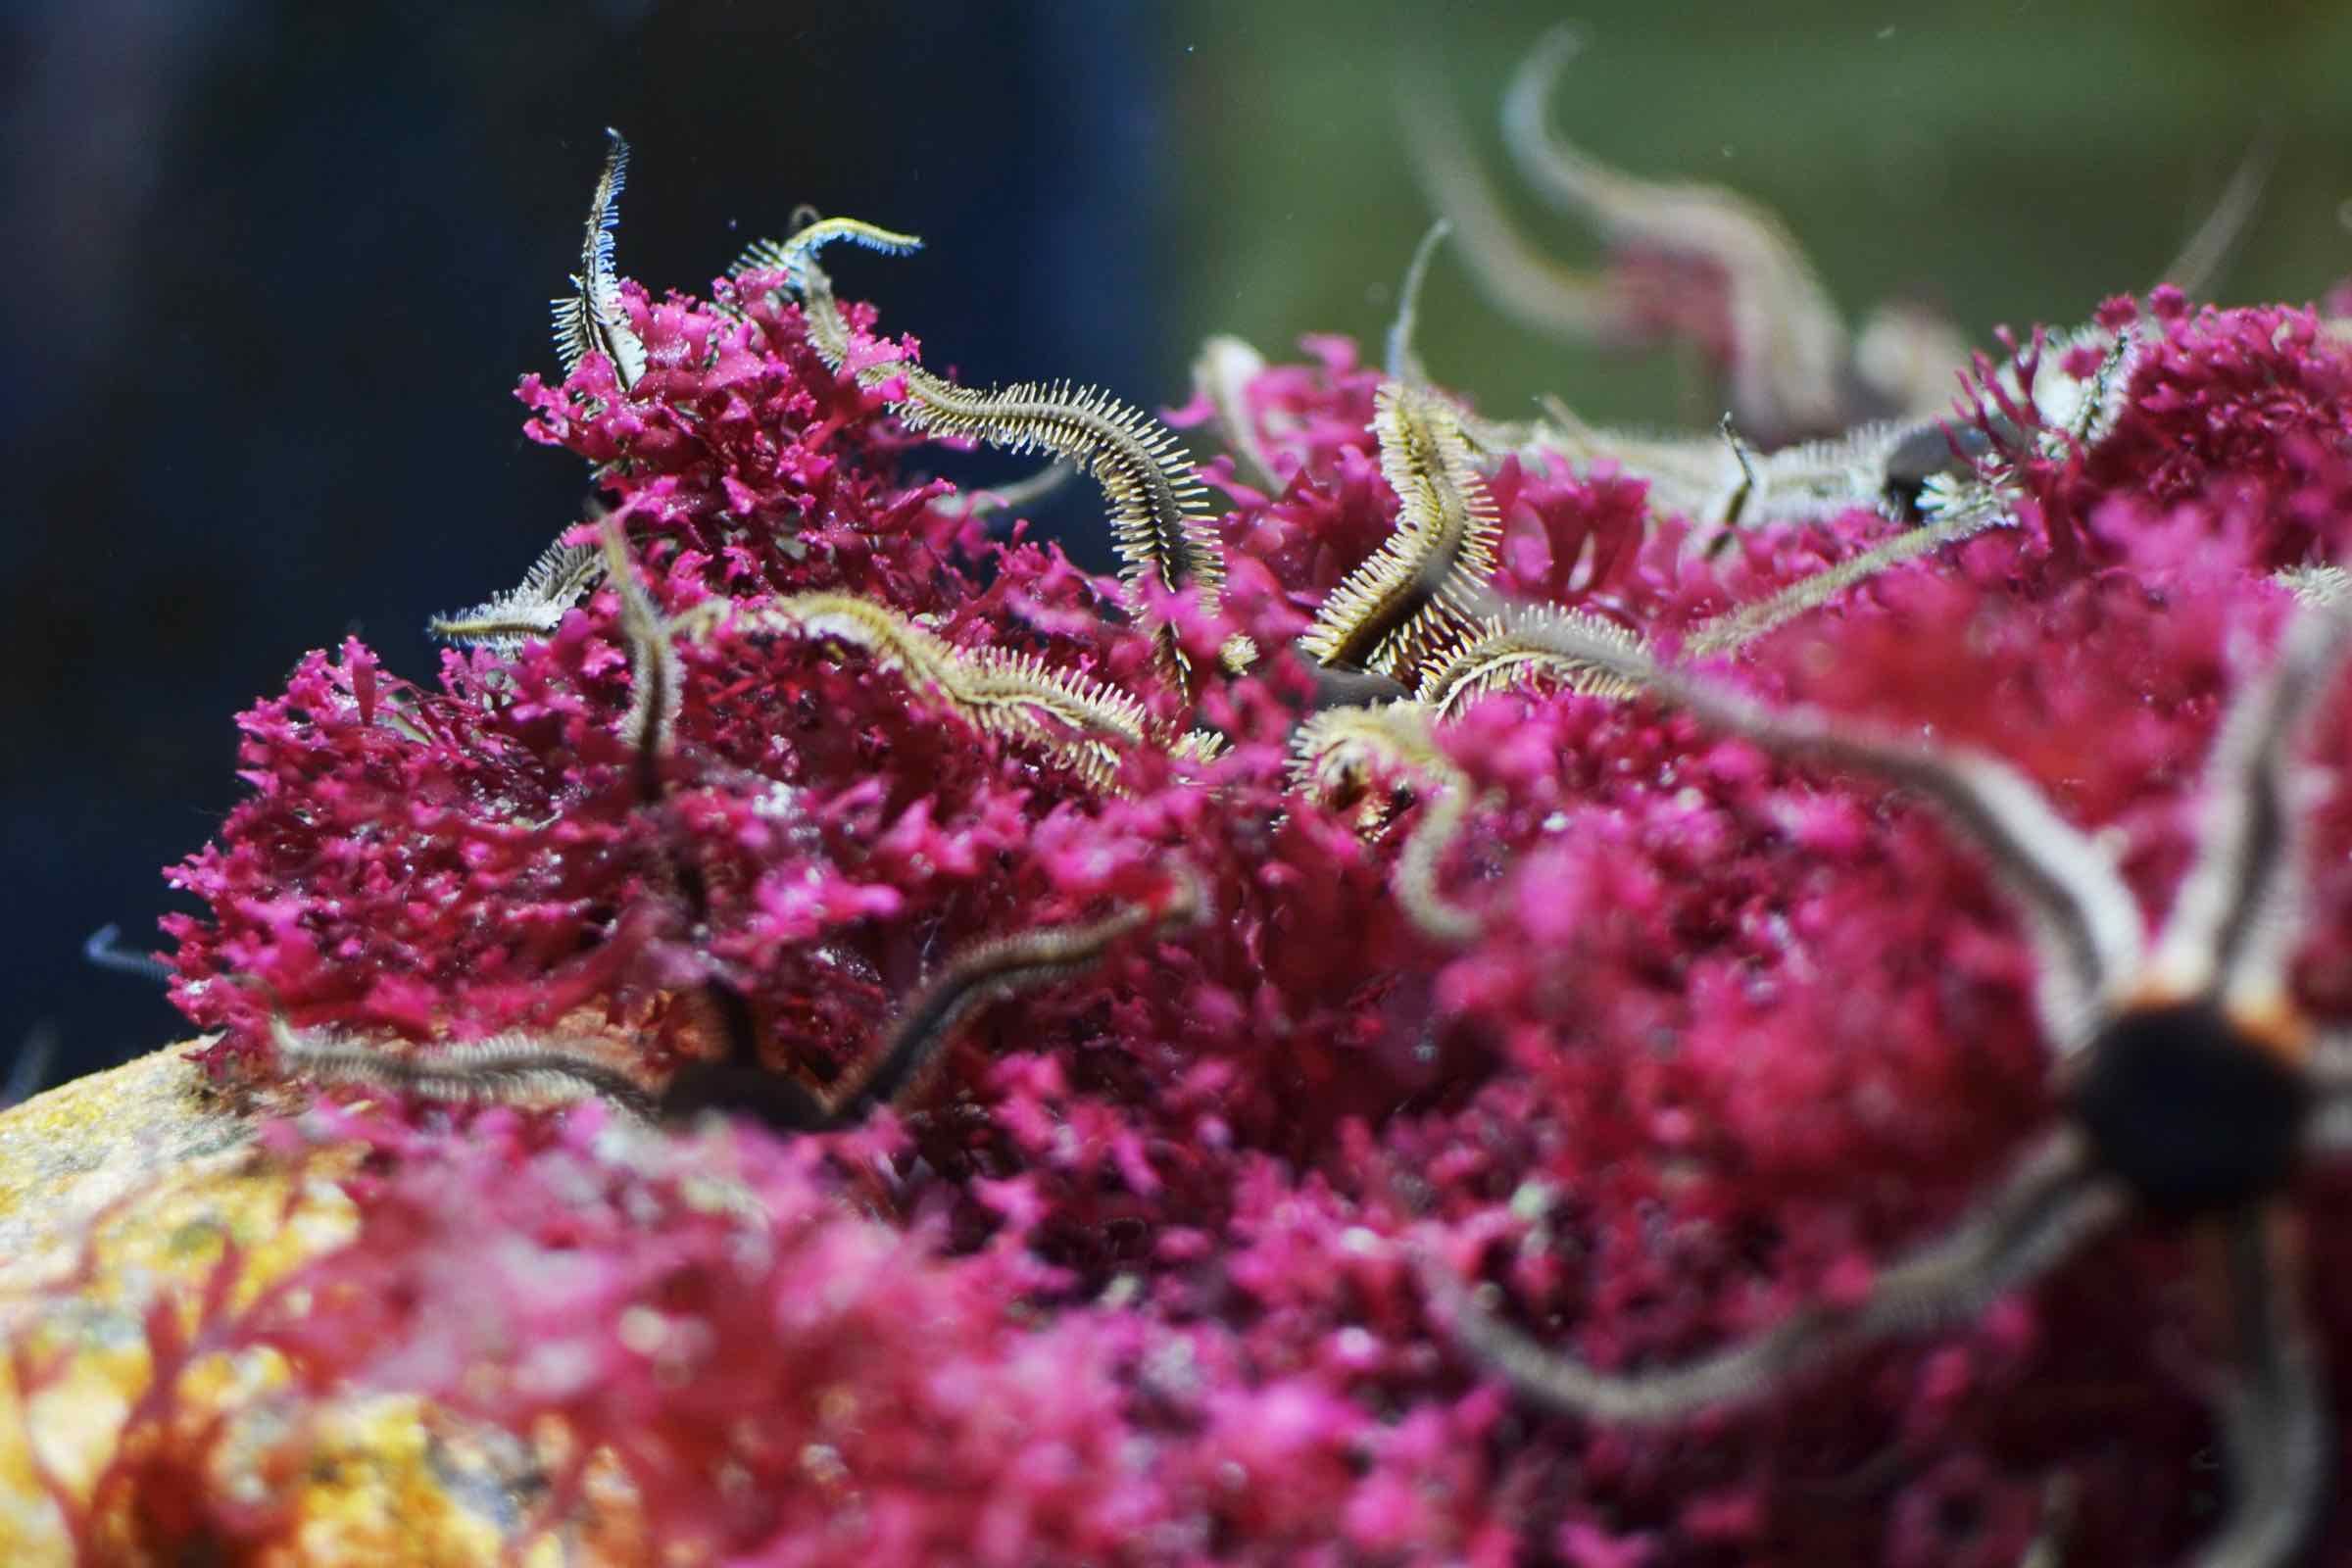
(657,697)
(1403,360)
(1789,345)
(1079,721)
(1385,615)
(996,970)
(2207,251)
(1159,516)
(1496,651)
(102,949)
(978,976)
(793,256)
(1221,373)
(2232,923)
(1415,879)
(828,329)
(2050,1205)
(533,608)
(2084,915)
(985,500)
(1562,302)
(1336,757)
(657,677)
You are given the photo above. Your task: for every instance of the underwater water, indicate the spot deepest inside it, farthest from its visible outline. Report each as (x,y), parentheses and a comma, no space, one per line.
(1450,952)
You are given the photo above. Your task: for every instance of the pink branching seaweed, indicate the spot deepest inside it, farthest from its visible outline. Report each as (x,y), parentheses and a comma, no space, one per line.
(1134,1272)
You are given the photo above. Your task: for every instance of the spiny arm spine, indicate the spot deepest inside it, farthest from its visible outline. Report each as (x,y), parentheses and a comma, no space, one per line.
(1160,515)
(1384,615)
(592,317)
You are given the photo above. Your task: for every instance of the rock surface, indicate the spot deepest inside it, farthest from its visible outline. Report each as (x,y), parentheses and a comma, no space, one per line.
(139,1217)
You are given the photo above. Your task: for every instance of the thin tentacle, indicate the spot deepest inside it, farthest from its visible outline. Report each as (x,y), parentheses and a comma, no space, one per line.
(1565,303)
(1787,348)
(2052,1203)
(516,1069)
(1403,360)
(2274,1414)
(2230,927)
(2328,1125)
(1221,373)
(2082,912)
(977,978)
(1737,628)
(2208,251)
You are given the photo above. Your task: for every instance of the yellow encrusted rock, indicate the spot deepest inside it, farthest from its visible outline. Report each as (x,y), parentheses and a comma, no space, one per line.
(139,1217)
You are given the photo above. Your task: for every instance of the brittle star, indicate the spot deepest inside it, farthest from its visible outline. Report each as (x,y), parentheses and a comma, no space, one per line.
(2189,1084)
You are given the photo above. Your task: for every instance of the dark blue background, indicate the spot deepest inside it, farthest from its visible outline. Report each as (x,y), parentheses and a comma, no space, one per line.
(278,266)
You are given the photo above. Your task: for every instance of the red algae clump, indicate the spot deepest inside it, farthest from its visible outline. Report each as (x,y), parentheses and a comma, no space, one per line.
(825,1042)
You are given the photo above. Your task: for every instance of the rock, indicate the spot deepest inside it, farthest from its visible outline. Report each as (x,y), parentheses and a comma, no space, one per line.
(141,1221)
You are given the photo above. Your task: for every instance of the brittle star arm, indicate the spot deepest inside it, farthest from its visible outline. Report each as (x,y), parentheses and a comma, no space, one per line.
(2231,925)
(1789,345)
(2086,921)
(1402,361)
(591,319)
(2329,1129)
(977,978)
(517,1067)
(2052,1203)
(2208,251)
(1517,278)
(1737,628)
(558,580)
(1335,753)
(2274,1414)
(1222,373)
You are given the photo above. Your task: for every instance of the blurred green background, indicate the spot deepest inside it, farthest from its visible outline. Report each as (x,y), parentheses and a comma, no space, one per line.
(2010,162)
